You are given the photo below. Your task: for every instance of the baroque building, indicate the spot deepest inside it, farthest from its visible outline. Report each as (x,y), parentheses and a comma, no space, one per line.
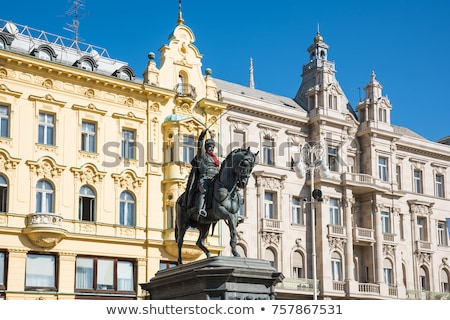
(94,159)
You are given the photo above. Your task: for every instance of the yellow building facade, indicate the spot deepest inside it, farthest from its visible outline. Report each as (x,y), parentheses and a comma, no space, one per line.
(92,161)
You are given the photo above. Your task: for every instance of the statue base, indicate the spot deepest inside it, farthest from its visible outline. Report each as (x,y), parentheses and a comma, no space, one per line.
(216,278)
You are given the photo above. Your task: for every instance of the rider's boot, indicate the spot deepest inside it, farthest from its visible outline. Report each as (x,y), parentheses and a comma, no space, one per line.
(201,206)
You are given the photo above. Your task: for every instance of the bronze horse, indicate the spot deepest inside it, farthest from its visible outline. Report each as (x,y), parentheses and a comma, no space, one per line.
(224,200)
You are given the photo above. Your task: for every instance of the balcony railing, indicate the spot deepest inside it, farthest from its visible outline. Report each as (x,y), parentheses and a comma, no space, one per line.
(363,234)
(423,246)
(185,90)
(369,288)
(271,224)
(336,230)
(389,237)
(45,229)
(427,295)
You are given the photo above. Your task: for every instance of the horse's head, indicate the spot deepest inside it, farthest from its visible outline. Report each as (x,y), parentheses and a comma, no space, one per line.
(244,161)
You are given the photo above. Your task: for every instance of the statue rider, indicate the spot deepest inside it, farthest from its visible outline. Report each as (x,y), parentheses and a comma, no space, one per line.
(208,167)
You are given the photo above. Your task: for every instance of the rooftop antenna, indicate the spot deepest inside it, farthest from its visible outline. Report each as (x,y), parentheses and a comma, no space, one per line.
(73,11)
(251,82)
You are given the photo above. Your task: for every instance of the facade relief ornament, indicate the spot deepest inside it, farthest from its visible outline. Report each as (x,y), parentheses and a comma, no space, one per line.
(88,174)
(388,250)
(128,180)
(45,168)
(423,258)
(336,243)
(271,238)
(7,163)
(420,208)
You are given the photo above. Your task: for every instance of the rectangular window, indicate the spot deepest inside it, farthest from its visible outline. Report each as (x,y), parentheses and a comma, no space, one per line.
(398,176)
(297,214)
(188,148)
(4,121)
(88,137)
(40,272)
(297,272)
(442,233)
(46,131)
(268,151)
(333,159)
(335,217)
(2,270)
(241,211)
(383,168)
(388,276)
(170,217)
(104,274)
(128,144)
(385,222)
(417,176)
(421,225)
(336,269)
(269,205)
(163,265)
(439,186)
(3,194)
(238,139)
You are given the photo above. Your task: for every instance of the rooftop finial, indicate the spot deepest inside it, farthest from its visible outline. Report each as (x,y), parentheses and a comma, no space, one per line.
(180,14)
(251,82)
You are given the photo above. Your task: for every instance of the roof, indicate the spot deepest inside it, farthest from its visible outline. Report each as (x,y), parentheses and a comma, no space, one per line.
(408,132)
(256,94)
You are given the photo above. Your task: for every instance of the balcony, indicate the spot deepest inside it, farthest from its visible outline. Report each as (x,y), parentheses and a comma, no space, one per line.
(336,231)
(185,90)
(44,229)
(363,235)
(361,183)
(389,238)
(271,225)
(423,246)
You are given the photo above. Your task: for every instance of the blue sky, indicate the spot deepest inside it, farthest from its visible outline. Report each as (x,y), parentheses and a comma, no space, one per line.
(404,42)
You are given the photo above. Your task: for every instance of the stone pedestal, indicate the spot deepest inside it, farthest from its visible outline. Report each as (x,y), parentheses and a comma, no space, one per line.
(216,278)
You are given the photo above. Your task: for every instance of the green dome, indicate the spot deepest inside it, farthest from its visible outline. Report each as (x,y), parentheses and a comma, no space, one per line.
(174,117)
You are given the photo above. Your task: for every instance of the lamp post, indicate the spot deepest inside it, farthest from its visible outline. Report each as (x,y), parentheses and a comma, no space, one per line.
(313,156)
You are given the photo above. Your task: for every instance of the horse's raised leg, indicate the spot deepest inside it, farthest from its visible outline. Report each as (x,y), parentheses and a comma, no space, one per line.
(203,229)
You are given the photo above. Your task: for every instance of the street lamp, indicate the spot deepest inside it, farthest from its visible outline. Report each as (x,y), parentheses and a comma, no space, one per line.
(313,156)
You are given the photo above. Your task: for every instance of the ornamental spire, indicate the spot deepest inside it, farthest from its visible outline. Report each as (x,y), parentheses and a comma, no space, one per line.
(251,82)
(180,13)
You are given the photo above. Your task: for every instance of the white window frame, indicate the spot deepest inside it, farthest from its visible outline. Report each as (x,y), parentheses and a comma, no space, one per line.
(46,131)
(88,136)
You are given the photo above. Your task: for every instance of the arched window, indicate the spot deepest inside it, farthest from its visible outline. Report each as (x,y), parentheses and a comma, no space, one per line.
(44,197)
(444,279)
(424,284)
(86,204)
(3,194)
(271,256)
(127,209)
(336,267)
(298,271)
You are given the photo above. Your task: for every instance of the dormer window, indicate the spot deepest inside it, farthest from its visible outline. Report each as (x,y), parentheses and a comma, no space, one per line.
(44,52)
(86,63)
(125,73)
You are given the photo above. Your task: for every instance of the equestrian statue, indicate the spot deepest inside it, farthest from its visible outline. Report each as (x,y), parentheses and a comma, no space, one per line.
(212,193)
